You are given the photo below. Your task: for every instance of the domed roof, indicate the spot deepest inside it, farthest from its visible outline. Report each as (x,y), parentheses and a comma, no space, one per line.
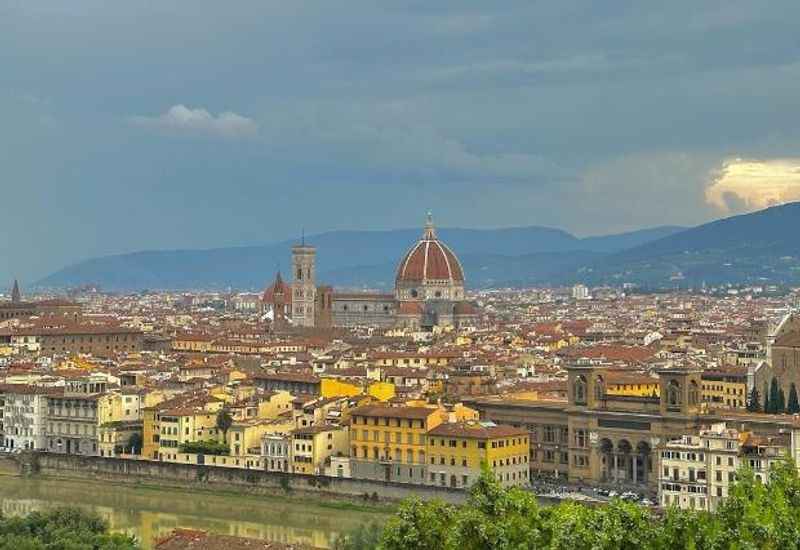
(430,260)
(464,308)
(276,288)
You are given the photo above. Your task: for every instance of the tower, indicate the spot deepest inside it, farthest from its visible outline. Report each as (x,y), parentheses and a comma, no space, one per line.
(278,305)
(16,296)
(304,287)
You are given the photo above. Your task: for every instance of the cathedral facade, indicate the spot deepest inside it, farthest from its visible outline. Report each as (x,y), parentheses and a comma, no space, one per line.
(429,292)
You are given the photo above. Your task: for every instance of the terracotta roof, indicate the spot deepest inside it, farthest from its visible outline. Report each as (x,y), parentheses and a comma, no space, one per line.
(190,539)
(269,294)
(430,259)
(393,412)
(476,430)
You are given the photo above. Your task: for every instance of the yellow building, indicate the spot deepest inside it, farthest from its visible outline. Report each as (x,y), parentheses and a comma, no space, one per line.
(333,387)
(632,385)
(312,446)
(390,443)
(119,417)
(725,387)
(183,419)
(458,450)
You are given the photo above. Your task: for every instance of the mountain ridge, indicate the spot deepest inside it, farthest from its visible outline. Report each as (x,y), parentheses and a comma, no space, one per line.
(252,266)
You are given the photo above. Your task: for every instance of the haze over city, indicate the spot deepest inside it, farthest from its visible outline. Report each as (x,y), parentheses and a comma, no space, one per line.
(143,126)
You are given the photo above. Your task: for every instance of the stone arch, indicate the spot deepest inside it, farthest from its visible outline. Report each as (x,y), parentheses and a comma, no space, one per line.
(673,393)
(580,390)
(599,388)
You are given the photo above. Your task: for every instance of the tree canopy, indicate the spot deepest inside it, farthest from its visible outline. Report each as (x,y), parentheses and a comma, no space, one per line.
(61,529)
(754,516)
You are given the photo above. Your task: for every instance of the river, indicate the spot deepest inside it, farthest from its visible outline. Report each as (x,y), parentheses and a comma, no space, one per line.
(153,512)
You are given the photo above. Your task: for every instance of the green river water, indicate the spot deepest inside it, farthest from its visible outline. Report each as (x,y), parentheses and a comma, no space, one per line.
(153,512)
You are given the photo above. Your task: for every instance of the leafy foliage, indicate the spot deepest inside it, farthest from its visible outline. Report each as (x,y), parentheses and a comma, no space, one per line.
(756,515)
(61,529)
(224,421)
(209,447)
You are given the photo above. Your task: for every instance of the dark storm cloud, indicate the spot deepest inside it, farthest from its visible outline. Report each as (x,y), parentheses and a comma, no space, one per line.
(160,125)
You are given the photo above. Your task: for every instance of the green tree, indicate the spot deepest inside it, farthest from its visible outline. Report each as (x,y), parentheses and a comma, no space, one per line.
(781,406)
(793,406)
(61,529)
(754,401)
(767,406)
(774,396)
(224,421)
(419,525)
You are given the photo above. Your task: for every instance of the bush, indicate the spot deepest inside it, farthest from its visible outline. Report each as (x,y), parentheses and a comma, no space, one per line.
(209,447)
(61,528)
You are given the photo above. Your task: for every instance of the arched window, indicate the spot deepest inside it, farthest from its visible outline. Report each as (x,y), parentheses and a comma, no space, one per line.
(599,388)
(580,389)
(673,393)
(694,394)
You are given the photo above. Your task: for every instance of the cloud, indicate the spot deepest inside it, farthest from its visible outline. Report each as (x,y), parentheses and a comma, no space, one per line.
(184,119)
(743,185)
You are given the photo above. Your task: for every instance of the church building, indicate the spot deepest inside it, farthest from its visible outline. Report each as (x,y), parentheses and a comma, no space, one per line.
(429,292)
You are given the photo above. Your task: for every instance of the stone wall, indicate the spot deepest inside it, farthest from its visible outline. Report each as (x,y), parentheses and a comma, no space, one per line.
(189,476)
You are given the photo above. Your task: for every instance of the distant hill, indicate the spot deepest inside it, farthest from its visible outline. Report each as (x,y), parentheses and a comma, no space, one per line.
(524,255)
(761,247)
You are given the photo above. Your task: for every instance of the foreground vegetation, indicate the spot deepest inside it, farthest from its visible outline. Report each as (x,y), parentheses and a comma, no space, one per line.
(755,516)
(61,529)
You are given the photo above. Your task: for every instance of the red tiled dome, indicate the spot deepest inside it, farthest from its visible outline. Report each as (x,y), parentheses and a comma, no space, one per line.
(430,259)
(278,286)
(464,308)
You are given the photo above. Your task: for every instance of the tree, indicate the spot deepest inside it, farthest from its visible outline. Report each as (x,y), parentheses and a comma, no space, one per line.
(61,529)
(754,401)
(224,421)
(781,407)
(774,397)
(793,406)
(766,399)
(135,443)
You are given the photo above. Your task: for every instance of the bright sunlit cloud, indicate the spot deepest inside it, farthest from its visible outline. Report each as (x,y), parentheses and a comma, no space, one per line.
(744,185)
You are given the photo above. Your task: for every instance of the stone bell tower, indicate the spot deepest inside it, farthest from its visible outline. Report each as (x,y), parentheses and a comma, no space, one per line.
(304,286)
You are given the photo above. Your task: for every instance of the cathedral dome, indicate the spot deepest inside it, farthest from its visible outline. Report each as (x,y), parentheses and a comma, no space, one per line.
(430,260)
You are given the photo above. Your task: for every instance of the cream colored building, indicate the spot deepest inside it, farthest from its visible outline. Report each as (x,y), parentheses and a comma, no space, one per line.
(697,471)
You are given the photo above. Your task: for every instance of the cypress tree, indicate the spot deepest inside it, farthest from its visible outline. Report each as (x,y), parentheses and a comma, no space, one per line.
(774,396)
(781,408)
(793,406)
(754,401)
(766,408)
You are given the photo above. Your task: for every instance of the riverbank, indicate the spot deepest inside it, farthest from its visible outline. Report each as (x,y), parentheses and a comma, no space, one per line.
(150,511)
(225,480)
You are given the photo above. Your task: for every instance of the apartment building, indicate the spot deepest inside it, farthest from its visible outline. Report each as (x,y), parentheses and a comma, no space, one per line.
(458,450)
(25,415)
(697,471)
(71,424)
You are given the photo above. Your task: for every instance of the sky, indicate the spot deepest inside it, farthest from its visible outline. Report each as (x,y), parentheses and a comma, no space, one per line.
(158,125)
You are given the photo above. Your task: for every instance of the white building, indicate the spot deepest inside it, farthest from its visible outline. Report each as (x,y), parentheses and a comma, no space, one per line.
(697,471)
(580,292)
(25,415)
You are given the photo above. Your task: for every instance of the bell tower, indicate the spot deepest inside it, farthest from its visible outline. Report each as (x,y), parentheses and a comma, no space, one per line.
(16,296)
(304,286)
